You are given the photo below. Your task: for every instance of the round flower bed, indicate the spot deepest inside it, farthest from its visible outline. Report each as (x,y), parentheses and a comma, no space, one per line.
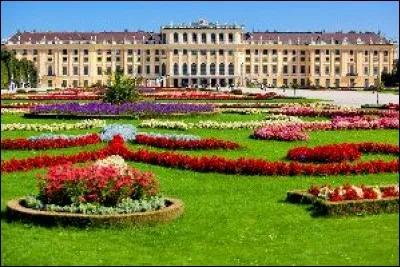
(105,192)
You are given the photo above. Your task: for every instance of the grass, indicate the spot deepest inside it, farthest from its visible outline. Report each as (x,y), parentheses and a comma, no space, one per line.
(228,219)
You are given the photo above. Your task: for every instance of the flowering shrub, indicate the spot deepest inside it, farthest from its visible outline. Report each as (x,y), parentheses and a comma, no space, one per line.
(50,143)
(164,142)
(126,131)
(126,108)
(105,184)
(325,154)
(204,164)
(351,192)
(85,124)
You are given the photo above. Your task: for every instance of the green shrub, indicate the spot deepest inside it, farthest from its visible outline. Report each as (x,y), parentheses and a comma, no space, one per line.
(122,89)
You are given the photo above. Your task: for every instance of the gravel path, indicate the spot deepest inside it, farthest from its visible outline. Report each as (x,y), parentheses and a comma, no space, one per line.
(355,98)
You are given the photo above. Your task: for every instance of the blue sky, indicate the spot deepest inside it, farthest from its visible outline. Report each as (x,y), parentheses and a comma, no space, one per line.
(280,16)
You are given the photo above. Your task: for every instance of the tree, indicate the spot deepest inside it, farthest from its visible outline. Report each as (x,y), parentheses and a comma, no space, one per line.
(122,89)
(4,75)
(17,69)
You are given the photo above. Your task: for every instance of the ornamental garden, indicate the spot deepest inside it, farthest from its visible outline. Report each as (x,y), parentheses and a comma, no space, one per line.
(164,176)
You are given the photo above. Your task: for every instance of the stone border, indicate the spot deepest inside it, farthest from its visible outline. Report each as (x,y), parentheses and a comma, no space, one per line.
(17,212)
(347,207)
(70,116)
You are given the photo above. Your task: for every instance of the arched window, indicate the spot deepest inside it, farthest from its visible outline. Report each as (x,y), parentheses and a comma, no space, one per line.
(230,37)
(184,69)
(221,37)
(176,38)
(231,69)
(222,69)
(193,69)
(49,70)
(163,69)
(203,69)
(185,37)
(176,70)
(194,37)
(212,69)
(204,38)
(213,38)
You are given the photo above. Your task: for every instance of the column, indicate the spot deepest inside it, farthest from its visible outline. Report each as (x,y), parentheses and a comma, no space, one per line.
(208,62)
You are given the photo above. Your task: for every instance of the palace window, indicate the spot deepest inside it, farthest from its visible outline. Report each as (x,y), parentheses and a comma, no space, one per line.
(265,52)
(221,37)
(194,37)
(176,37)
(212,69)
(230,37)
(85,70)
(256,69)
(193,69)
(185,69)
(203,69)
(65,72)
(185,37)
(176,70)
(265,69)
(76,71)
(99,71)
(213,39)
(222,69)
(204,38)
(85,52)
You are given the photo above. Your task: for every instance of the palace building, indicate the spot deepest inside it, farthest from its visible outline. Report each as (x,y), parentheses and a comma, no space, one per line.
(204,53)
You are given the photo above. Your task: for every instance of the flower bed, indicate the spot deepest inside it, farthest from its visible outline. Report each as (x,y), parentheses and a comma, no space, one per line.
(344,112)
(153,123)
(348,199)
(211,96)
(127,108)
(339,152)
(86,124)
(295,131)
(365,122)
(14,110)
(106,187)
(163,142)
(205,163)
(47,143)
(276,105)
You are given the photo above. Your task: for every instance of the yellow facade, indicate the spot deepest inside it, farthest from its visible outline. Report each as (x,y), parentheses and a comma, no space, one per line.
(223,57)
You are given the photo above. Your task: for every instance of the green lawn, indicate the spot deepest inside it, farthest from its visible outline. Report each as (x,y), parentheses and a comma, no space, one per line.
(228,219)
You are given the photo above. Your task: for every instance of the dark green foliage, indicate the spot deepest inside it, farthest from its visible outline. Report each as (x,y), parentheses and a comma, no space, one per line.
(122,89)
(19,70)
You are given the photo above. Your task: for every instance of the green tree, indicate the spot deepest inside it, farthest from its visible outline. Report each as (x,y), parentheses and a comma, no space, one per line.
(122,89)
(4,75)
